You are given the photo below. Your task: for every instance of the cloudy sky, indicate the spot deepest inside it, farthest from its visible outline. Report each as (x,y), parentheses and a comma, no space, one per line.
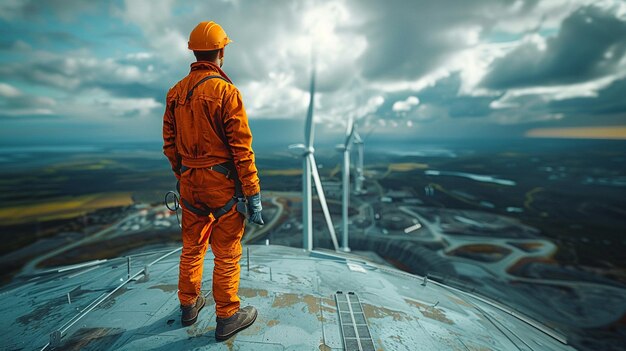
(93,71)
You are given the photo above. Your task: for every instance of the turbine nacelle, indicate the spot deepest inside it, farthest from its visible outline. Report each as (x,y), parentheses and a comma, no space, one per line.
(342,148)
(301,149)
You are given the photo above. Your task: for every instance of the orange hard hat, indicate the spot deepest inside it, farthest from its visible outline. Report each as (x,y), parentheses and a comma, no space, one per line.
(208,36)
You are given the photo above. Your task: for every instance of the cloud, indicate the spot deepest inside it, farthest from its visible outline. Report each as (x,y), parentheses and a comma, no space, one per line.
(442,99)
(270,57)
(279,42)
(283,100)
(85,86)
(338,108)
(17,46)
(608,100)
(78,71)
(62,9)
(360,50)
(8,91)
(408,63)
(128,106)
(408,40)
(590,44)
(15,103)
(405,105)
(428,112)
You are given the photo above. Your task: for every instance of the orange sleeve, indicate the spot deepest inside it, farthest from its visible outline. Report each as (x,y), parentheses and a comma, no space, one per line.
(239,138)
(169,135)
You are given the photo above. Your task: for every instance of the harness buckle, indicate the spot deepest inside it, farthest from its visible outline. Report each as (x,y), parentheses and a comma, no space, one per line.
(228,170)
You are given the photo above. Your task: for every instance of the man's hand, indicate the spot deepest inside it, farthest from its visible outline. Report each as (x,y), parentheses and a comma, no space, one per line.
(254,208)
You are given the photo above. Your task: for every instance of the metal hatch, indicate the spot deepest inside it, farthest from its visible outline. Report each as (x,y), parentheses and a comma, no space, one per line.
(354,330)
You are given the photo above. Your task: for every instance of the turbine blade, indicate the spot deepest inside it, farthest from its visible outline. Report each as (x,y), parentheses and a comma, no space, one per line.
(349,130)
(308,126)
(350,125)
(320,194)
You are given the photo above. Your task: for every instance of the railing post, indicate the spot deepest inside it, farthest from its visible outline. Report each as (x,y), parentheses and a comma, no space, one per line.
(55,338)
(128,267)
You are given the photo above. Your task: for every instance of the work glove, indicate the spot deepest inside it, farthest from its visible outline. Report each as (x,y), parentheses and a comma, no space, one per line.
(254,208)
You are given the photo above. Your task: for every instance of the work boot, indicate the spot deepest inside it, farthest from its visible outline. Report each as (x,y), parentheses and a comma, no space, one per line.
(190,313)
(227,327)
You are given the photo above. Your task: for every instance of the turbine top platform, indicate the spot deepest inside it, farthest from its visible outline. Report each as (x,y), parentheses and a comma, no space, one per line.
(306,300)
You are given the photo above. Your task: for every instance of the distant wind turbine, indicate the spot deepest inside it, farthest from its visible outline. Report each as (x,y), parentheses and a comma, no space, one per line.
(309,168)
(352,137)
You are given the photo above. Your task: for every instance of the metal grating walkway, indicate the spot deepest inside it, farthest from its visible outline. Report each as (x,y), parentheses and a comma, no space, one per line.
(354,329)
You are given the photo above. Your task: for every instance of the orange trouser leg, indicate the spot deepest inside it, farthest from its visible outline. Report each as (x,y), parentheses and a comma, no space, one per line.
(203,187)
(192,257)
(226,245)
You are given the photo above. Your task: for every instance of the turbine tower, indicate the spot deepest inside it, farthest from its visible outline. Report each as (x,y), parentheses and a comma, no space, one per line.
(346,148)
(358,180)
(309,168)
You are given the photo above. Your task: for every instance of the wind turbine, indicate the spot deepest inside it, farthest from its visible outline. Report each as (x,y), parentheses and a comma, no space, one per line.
(346,148)
(352,138)
(309,168)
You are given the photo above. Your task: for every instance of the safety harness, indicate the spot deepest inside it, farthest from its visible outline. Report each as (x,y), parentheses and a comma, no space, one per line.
(228,169)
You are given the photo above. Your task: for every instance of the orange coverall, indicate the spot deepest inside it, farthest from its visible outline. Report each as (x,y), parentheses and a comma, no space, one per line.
(191,136)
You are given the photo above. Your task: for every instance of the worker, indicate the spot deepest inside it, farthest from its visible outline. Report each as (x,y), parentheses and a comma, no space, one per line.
(208,143)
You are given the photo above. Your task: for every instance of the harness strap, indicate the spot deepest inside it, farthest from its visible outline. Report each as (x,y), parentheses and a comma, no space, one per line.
(198,211)
(217,213)
(220,168)
(190,93)
(224,209)
(226,168)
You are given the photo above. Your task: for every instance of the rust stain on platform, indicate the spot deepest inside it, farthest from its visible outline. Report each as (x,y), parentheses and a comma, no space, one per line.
(248,292)
(167,288)
(430,312)
(372,311)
